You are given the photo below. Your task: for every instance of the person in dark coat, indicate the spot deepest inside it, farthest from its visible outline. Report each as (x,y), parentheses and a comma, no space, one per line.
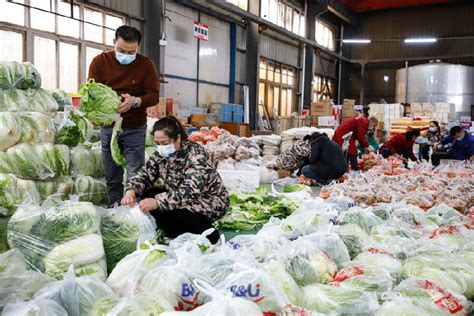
(462,146)
(327,161)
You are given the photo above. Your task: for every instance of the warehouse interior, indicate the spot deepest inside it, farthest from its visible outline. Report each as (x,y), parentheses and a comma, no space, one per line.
(253,41)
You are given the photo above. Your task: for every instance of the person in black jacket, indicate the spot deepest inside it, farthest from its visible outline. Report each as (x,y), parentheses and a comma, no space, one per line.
(327,161)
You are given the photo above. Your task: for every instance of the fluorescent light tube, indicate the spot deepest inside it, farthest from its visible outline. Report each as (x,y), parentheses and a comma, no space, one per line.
(420,40)
(356,41)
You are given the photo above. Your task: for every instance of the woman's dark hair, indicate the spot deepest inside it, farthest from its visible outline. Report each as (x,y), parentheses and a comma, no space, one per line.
(435,123)
(171,127)
(415,132)
(365,111)
(314,136)
(129,34)
(454,130)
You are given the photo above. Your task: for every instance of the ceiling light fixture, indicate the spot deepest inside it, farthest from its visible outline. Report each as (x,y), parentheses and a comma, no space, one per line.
(356,41)
(420,40)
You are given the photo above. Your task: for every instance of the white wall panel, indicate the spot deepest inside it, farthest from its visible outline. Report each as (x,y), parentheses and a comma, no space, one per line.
(214,54)
(181,51)
(239,67)
(241,39)
(281,52)
(211,93)
(184,90)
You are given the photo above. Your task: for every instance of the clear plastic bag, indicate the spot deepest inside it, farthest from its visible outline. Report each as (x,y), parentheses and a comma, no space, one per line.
(61,188)
(362,218)
(76,294)
(267,176)
(62,98)
(332,245)
(54,237)
(37,307)
(328,299)
(92,190)
(87,161)
(9,195)
(188,247)
(28,100)
(121,229)
(137,305)
(128,274)
(28,190)
(277,271)
(73,128)
(10,129)
(16,75)
(36,128)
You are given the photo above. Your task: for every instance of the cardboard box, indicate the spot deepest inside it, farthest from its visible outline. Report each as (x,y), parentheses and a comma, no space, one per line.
(326,121)
(198,118)
(183,119)
(156,111)
(321,108)
(348,111)
(172,106)
(349,102)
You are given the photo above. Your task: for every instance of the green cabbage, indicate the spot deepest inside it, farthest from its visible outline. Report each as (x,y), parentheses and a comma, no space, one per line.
(61,97)
(74,129)
(10,129)
(100,104)
(285,281)
(36,307)
(36,128)
(28,100)
(294,188)
(91,190)
(121,230)
(5,166)
(61,187)
(328,299)
(28,190)
(14,75)
(87,161)
(9,195)
(39,161)
(3,234)
(140,305)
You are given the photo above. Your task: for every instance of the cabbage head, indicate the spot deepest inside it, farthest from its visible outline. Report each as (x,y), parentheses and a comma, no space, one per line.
(10,129)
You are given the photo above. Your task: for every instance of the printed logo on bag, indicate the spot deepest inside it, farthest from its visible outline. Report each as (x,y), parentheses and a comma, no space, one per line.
(189,298)
(247,291)
(234,245)
(345,274)
(440,297)
(378,251)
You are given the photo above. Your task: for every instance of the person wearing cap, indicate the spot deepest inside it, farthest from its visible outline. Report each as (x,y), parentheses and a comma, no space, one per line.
(462,147)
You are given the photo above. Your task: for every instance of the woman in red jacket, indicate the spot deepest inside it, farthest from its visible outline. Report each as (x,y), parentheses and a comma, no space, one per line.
(359,128)
(401,144)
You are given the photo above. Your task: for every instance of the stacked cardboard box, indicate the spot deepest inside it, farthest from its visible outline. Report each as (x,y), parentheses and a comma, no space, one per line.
(404,124)
(348,109)
(386,113)
(321,112)
(158,110)
(439,111)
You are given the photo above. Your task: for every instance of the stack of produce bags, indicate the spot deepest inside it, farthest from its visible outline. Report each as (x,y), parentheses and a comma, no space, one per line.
(328,257)
(290,136)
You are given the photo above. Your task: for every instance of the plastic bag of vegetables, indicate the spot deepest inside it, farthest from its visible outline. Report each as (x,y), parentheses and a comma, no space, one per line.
(307,264)
(3,233)
(100,103)
(284,280)
(37,307)
(61,188)
(332,245)
(17,281)
(36,128)
(14,75)
(310,217)
(61,97)
(359,216)
(328,299)
(39,161)
(76,294)
(10,129)
(423,290)
(54,237)
(9,195)
(353,237)
(73,128)
(121,230)
(28,190)
(188,247)
(91,190)
(5,166)
(86,160)
(409,307)
(28,100)
(138,305)
(129,272)
(175,284)
(256,285)
(221,304)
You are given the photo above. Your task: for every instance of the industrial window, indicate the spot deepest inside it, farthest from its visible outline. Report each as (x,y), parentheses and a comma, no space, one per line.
(322,90)
(277,88)
(283,14)
(14,50)
(61,46)
(243,4)
(324,35)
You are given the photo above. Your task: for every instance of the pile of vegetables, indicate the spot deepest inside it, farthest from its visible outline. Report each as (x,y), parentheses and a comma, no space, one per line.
(100,104)
(14,75)
(251,211)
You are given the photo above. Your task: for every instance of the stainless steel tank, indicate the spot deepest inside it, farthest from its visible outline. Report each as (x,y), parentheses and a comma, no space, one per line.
(437,82)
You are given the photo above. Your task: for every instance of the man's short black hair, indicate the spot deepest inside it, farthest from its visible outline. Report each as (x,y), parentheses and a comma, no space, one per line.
(129,34)
(454,130)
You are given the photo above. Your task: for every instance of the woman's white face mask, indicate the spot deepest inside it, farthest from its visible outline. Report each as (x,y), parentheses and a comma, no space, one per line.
(166,151)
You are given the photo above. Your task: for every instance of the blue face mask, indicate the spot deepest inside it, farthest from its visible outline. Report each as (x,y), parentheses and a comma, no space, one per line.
(125,59)
(433,129)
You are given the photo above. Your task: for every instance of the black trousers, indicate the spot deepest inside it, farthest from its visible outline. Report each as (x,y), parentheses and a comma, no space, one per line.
(180,221)
(438,155)
(353,161)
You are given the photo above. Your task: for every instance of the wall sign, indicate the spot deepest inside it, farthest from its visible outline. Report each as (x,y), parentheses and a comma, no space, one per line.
(201,31)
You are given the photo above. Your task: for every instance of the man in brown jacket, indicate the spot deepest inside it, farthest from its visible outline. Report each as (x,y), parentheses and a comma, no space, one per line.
(134,77)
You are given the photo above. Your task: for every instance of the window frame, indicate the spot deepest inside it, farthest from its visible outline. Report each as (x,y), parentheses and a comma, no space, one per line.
(318,88)
(326,28)
(277,85)
(29,34)
(273,15)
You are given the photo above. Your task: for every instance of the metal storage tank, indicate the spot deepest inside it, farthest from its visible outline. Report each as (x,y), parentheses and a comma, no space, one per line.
(437,82)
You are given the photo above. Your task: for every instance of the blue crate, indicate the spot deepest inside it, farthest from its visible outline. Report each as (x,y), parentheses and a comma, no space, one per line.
(237,108)
(226,108)
(226,117)
(238,118)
